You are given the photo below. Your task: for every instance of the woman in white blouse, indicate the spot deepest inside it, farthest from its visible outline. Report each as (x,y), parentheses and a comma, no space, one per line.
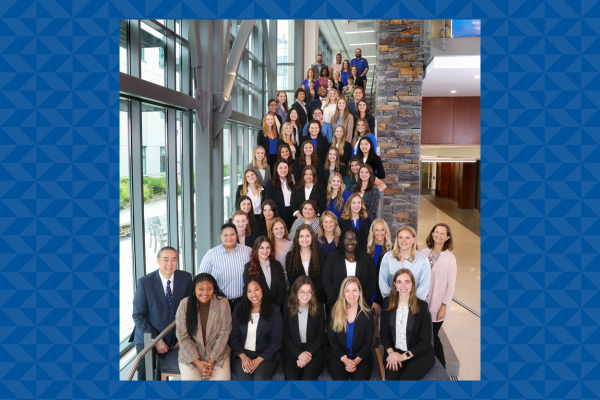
(251,188)
(330,105)
(406,331)
(260,166)
(279,189)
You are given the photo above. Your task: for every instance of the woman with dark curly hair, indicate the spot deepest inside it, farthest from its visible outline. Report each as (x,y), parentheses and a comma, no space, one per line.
(264,265)
(301,106)
(303,333)
(256,334)
(203,324)
(305,258)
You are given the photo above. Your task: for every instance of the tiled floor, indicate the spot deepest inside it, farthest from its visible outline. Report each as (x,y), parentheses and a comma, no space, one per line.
(463,327)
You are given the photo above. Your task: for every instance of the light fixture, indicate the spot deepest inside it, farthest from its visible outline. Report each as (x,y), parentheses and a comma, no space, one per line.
(361,44)
(369,56)
(477,76)
(453,91)
(447,159)
(350,33)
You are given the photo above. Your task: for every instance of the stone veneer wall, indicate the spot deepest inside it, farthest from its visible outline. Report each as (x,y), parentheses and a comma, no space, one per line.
(399,104)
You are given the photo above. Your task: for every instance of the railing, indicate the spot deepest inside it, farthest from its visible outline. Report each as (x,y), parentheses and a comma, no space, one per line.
(466,306)
(149,347)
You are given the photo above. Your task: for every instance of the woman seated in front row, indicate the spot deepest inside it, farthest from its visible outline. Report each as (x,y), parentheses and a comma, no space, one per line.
(264,265)
(350,334)
(256,334)
(203,324)
(406,331)
(303,333)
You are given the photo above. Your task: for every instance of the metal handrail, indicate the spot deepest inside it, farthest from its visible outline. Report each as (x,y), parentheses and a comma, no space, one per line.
(147,349)
(466,306)
(372,85)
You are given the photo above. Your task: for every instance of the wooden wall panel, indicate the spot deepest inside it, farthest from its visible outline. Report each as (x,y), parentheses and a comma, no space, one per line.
(466,189)
(467,120)
(454,180)
(437,121)
(444,180)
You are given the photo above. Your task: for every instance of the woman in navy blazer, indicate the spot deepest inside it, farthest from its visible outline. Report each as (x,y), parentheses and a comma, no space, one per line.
(262,258)
(318,194)
(256,334)
(355,215)
(350,334)
(303,333)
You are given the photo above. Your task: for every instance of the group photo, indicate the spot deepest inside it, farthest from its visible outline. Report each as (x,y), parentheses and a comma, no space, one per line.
(305,206)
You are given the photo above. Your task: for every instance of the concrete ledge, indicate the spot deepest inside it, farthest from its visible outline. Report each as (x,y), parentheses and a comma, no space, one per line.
(452,362)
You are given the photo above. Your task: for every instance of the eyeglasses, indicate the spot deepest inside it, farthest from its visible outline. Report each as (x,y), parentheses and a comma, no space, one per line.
(303,293)
(350,241)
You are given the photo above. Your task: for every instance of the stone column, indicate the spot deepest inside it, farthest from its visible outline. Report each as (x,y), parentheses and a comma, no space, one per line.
(399,103)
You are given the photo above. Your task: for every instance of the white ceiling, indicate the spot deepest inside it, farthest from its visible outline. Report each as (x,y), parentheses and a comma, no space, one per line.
(445,74)
(334,31)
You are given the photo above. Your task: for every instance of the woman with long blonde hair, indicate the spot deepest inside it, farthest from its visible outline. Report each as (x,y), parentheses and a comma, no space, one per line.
(342,116)
(350,334)
(355,216)
(330,105)
(329,233)
(288,137)
(337,195)
(310,76)
(251,188)
(378,243)
(406,331)
(267,138)
(260,165)
(282,245)
(339,142)
(405,255)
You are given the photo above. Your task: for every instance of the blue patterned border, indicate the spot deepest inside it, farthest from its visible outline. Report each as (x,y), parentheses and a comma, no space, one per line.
(59,204)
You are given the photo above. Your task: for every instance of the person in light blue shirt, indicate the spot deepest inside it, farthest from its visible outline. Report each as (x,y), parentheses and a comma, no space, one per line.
(326,129)
(405,255)
(361,64)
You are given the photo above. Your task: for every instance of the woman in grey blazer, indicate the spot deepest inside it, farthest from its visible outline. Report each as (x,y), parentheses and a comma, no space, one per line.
(365,186)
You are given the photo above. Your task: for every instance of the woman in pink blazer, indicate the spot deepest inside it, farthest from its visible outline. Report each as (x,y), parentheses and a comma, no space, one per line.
(443,281)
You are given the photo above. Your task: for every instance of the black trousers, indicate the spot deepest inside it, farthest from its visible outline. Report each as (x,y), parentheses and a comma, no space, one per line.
(264,372)
(411,370)
(271,159)
(156,360)
(438,348)
(337,369)
(310,372)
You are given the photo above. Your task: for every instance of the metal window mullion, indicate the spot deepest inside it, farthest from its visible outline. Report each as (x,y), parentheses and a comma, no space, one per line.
(134,48)
(136,196)
(298,49)
(187,191)
(245,158)
(171,153)
(170,61)
(233,160)
(186,73)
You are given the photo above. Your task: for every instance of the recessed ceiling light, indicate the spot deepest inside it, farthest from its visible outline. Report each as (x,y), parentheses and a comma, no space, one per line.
(361,44)
(369,56)
(477,76)
(453,91)
(349,33)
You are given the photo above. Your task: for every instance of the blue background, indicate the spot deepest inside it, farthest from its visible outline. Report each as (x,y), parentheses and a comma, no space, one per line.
(59,207)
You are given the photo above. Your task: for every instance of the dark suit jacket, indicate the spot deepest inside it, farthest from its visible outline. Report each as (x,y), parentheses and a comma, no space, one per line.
(322,146)
(377,167)
(334,274)
(262,140)
(362,340)
(418,332)
(370,120)
(269,335)
(298,169)
(317,103)
(278,285)
(378,296)
(315,334)
(352,109)
(345,159)
(303,116)
(249,240)
(312,274)
(317,194)
(276,195)
(150,311)
(325,175)
(364,224)
(371,200)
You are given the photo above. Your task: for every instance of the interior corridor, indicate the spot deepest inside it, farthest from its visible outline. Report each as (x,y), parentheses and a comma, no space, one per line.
(463,327)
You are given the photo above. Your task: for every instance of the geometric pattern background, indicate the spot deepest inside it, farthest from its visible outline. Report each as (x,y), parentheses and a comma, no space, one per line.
(59,206)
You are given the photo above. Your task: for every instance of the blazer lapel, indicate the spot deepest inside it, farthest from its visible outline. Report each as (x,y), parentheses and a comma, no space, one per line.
(210,322)
(259,328)
(295,328)
(393,325)
(160,291)
(409,325)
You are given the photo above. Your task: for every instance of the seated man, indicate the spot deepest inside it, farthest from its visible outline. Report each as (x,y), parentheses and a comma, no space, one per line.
(155,304)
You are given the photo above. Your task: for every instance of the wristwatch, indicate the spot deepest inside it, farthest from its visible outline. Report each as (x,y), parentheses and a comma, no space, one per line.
(408,355)
(444,305)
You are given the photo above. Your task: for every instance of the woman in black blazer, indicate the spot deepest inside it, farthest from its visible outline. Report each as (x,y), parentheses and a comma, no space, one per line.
(303,333)
(350,334)
(358,80)
(251,188)
(318,193)
(267,137)
(259,359)
(362,111)
(365,186)
(244,232)
(316,137)
(366,150)
(332,164)
(306,256)
(280,190)
(355,215)
(262,259)
(409,355)
(348,260)
(301,106)
(262,227)
(307,156)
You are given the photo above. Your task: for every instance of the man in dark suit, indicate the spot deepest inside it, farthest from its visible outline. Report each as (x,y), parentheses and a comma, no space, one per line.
(322,91)
(155,304)
(318,66)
